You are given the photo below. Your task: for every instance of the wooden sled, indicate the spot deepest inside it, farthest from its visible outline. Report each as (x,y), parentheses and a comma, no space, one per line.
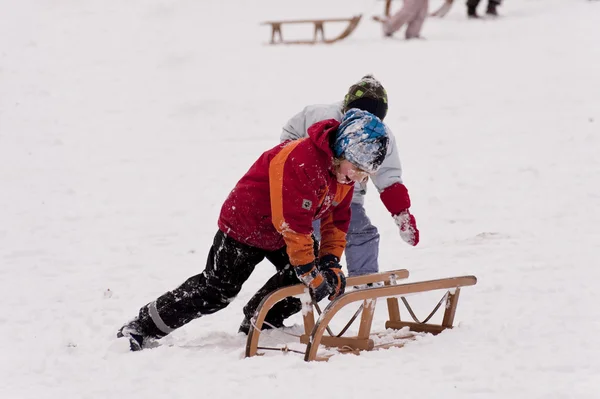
(313,335)
(443,10)
(318,29)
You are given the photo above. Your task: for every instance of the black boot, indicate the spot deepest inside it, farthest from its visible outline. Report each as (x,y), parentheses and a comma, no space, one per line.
(138,339)
(472,12)
(141,332)
(132,332)
(491,9)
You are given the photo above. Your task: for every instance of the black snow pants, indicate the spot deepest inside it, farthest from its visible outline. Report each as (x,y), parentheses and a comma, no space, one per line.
(229,264)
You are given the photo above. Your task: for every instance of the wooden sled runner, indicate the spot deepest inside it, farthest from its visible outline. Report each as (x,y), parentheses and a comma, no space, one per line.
(319,29)
(314,333)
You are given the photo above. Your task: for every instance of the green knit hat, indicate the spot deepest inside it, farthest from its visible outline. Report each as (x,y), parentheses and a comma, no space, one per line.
(369,95)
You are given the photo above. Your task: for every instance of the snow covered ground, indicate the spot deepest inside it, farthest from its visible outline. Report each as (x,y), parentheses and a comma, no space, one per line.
(123,126)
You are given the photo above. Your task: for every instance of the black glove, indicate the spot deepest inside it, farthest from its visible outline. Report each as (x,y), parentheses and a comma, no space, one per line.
(330,268)
(328,261)
(316,282)
(336,282)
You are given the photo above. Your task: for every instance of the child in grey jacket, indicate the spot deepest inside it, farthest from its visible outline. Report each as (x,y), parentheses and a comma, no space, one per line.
(362,249)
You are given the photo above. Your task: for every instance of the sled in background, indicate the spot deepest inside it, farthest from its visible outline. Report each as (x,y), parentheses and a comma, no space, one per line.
(319,25)
(319,29)
(313,335)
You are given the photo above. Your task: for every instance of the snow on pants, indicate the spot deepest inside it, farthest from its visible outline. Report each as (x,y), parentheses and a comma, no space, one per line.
(362,247)
(228,266)
(413,13)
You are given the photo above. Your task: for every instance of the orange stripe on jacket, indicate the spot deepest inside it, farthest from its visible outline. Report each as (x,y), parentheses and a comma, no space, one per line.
(299,246)
(333,237)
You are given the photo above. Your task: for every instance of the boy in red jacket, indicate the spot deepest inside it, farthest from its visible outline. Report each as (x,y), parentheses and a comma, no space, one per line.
(269,214)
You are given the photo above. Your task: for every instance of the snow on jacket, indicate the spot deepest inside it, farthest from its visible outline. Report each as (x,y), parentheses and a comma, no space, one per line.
(289,186)
(387,180)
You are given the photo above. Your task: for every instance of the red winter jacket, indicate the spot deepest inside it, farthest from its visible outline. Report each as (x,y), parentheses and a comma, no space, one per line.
(289,186)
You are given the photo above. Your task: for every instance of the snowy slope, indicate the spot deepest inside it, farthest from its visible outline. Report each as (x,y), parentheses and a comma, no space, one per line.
(123,126)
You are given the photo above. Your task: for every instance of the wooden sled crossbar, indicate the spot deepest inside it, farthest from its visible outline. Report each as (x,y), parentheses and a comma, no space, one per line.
(314,332)
(318,30)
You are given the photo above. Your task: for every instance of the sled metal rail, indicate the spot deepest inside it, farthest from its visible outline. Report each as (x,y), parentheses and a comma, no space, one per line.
(314,336)
(318,33)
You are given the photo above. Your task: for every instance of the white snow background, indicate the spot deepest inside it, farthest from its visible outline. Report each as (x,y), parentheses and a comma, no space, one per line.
(125,124)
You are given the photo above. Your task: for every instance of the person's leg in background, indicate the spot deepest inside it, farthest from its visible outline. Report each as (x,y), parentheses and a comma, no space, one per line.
(413,30)
(404,15)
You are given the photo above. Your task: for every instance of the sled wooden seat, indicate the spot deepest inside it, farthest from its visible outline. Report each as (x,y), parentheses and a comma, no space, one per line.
(318,30)
(313,335)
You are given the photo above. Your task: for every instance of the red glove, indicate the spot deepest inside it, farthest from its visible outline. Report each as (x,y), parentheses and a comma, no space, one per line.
(408,227)
(397,201)
(395,198)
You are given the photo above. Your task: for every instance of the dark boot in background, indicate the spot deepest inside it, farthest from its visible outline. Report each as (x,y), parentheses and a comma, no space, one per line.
(491,9)
(472,12)
(472,8)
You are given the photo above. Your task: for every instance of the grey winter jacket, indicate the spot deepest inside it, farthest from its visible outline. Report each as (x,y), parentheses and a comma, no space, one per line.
(390,171)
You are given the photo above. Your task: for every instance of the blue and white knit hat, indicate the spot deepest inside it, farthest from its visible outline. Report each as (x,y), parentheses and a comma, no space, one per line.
(362,139)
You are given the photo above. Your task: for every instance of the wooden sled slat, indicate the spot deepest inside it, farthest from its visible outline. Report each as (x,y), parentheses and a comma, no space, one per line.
(318,33)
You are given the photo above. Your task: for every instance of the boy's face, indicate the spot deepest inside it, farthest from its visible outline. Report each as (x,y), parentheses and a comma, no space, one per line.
(348,173)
